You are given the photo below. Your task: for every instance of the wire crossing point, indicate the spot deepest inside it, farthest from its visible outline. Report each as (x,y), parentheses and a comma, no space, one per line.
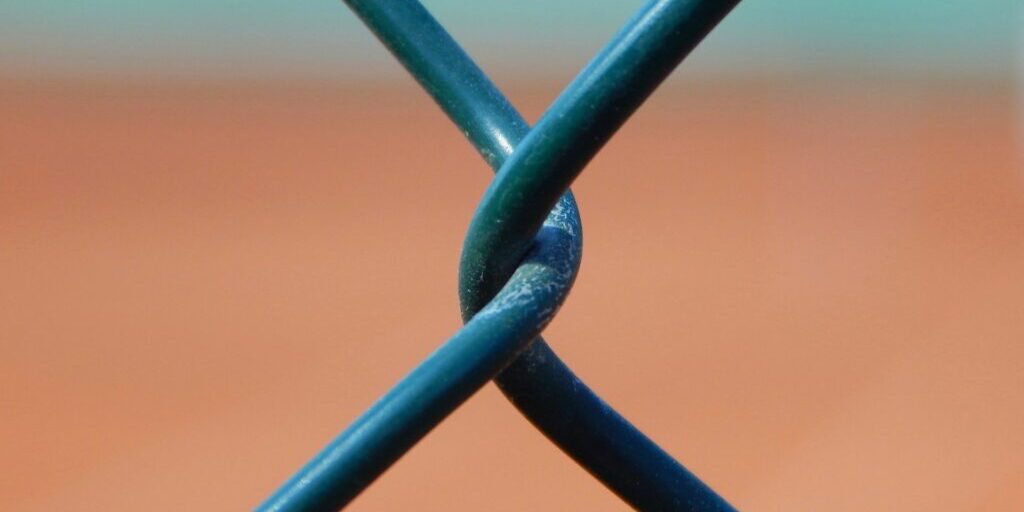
(519,261)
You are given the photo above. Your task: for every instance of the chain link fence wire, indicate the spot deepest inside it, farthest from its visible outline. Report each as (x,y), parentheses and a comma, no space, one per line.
(519,260)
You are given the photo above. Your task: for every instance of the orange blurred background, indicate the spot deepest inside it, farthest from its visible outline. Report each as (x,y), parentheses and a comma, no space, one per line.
(808,289)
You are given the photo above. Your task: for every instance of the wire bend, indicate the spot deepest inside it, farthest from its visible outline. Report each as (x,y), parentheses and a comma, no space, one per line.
(519,261)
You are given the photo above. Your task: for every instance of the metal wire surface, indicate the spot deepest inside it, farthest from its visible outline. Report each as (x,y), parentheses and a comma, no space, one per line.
(519,260)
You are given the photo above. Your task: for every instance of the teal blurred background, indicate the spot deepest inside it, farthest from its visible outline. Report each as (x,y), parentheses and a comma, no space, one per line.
(192,40)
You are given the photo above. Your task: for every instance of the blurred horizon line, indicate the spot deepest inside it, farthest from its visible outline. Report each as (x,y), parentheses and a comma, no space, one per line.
(541,81)
(200,42)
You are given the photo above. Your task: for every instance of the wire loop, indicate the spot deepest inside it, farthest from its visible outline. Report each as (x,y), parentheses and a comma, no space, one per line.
(519,260)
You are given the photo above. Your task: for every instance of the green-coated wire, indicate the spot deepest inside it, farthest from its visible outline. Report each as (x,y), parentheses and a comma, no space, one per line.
(580,121)
(537,382)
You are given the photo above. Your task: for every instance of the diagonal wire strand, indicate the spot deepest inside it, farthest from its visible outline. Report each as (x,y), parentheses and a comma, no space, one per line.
(537,382)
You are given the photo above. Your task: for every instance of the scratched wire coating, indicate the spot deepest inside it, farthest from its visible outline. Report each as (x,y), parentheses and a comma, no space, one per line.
(519,261)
